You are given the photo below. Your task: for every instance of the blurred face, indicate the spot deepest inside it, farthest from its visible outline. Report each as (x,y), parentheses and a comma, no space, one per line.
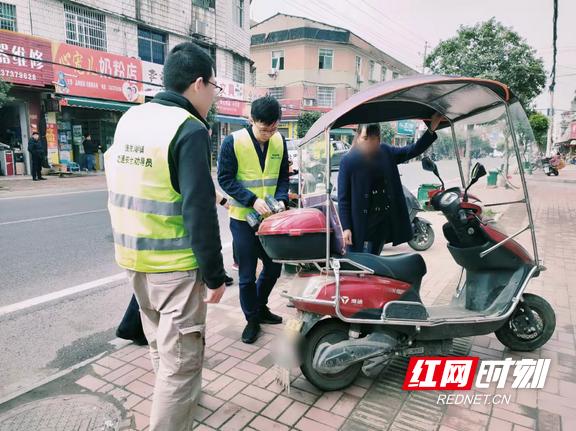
(35,136)
(367,144)
(263,132)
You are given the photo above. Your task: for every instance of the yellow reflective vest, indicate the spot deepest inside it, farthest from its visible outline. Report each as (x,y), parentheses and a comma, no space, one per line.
(145,210)
(250,173)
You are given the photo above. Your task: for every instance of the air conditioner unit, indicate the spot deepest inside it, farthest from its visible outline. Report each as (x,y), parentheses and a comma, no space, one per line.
(309,102)
(273,72)
(199,27)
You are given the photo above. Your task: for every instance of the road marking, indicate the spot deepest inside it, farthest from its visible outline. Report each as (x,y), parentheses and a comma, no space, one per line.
(52,194)
(51,217)
(60,294)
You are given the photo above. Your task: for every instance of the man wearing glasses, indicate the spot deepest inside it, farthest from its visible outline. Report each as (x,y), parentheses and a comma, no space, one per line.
(165,226)
(253,163)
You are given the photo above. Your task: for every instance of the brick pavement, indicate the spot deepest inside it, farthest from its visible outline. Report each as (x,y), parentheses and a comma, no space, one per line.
(239,390)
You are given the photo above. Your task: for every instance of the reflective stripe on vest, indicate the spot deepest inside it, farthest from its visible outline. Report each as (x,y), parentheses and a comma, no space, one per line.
(145,210)
(250,173)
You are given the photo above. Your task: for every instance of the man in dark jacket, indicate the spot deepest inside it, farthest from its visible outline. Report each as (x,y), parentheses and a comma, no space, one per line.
(257,155)
(371,202)
(36,150)
(90,150)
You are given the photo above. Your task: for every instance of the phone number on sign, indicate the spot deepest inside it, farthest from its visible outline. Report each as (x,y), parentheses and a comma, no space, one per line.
(5,73)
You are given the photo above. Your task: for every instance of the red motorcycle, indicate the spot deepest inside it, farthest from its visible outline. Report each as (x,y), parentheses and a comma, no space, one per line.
(357,311)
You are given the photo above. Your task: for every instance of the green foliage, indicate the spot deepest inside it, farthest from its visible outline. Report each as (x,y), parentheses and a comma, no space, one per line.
(211,117)
(539,125)
(492,51)
(387,132)
(4,89)
(306,120)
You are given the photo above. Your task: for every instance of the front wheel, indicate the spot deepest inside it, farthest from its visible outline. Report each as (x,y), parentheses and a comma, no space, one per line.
(423,237)
(525,333)
(327,331)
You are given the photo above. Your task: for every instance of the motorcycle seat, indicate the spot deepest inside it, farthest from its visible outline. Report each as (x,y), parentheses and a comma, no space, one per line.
(408,267)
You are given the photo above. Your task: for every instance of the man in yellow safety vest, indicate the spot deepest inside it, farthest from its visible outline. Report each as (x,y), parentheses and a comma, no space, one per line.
(253,163)
(165,226)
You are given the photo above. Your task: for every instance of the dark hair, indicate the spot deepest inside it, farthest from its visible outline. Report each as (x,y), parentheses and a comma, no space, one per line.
(35,133)
(86,135)
(266,110)
(372,130)
(184,65)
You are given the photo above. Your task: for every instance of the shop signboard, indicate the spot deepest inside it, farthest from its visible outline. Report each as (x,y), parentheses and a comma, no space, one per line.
(29,67)
(152,73)
(406,127)
(52,143)
(231,100)
(116,78)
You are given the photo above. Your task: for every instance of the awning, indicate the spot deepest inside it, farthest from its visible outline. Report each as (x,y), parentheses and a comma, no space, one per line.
(343,131)
(231,120)
(108,105)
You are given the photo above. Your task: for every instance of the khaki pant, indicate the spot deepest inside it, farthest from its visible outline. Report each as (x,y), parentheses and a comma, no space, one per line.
(173,317)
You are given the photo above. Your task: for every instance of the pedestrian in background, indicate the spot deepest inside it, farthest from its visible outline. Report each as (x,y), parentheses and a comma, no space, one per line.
(37,154)
(90,151)
(253,163)
(165,227)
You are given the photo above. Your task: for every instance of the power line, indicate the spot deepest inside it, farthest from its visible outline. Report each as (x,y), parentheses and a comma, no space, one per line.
(416,36)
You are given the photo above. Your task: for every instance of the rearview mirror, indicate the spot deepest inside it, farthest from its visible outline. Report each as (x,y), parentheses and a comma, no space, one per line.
(429,165)
(478,171)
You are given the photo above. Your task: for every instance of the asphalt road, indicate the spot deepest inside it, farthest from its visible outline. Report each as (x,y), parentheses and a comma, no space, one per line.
(51,243)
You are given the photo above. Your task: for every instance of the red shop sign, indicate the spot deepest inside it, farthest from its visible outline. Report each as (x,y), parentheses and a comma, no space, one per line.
(28,67)
(121,85)
(230,107)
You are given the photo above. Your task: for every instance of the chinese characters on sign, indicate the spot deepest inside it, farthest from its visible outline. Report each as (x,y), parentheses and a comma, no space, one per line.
(231,101)
(52,142)
(121,85)
(22,59)
(152,73)
(135,160)
(457,373)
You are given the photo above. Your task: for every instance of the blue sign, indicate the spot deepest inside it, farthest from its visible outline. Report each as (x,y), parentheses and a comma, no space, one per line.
(406,127)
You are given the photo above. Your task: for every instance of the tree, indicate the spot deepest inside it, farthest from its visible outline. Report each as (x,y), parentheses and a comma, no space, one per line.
(306,120)
(387,133)
(492,51)
(4,89)
(539,125)
(211,117)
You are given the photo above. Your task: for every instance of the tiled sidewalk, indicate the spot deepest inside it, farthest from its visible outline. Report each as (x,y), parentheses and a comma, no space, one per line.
(240,392)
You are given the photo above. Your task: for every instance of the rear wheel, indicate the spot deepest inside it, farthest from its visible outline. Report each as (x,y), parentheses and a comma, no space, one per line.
(423,238)
(327,331)
(525,334)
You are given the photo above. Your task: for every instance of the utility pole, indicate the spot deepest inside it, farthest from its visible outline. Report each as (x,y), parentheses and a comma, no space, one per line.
(553,78)
(426,46)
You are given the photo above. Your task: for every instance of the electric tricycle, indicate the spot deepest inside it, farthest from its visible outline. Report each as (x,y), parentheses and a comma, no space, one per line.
(357,311)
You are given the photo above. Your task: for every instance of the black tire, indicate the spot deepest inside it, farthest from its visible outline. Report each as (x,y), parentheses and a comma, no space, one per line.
(555,173)
(333,331)
(422,242)
(522,341)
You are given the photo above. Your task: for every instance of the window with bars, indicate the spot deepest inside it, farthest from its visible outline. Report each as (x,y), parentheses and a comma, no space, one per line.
(206,4)
(7,17)
(383,73)
(326,96)
(395,75)
(276,92)
(239,72)
(358,66)
(325,57)
(239,13)
(85,27)
(151,45)
(278,60)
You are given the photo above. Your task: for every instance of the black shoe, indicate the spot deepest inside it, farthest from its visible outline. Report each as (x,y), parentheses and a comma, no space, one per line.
(42,179)
(228,281)
(251,331)
(34,179)
(270,318)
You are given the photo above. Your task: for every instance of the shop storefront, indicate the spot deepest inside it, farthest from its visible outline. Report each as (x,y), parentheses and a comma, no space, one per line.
(31,79)
(91,103)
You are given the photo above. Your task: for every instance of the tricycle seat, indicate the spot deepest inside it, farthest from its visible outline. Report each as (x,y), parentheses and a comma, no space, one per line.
(408,267)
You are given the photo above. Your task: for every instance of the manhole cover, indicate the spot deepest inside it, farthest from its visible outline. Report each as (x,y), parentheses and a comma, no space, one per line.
(73,412)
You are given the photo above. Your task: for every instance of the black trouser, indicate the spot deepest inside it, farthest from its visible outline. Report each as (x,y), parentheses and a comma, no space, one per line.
(36,166)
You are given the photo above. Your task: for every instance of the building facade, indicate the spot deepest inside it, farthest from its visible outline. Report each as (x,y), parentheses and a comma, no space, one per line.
(313,66)
(126,41)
